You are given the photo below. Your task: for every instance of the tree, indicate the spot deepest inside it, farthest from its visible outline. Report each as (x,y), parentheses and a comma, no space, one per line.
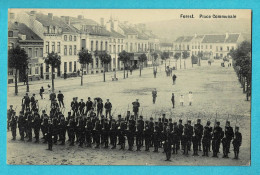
(105,59)
(200,55)
(18,60)
(165,56)
(185,55)
(142,58)
(124,57)
(84,59)
(54,60)
(176,56)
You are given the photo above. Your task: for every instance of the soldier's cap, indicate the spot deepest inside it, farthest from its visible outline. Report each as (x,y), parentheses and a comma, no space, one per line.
(189,121)
(151,118)
(119,115)
(170,119)
(218,123)
(141,116)
(208,122)
(180,120)
(227,122)
(236,127)
(198,120)
(11,106)
(159,119)
(174,123)
(81,99)
(163,114)
(33,94)
(106,120)
(88,97)
(69,112)
(156,123)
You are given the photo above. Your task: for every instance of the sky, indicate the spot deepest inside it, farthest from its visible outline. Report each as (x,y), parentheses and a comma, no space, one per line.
(139,15)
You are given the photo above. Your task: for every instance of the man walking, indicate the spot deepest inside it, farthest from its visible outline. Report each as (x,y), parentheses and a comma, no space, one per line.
(60,99)
(154,94)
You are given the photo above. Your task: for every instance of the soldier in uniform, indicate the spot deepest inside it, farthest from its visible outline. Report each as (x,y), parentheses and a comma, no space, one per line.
(100,108)
(154,94)
(81,131)
(113,134)
(49,134)
(167,145)
(189,134)
(9,116)
(198,129)
(217,136)
(224,145)
(21,125)
(37,126)
(96,133)
(173,100)
(62,129)
(229,134)
(108,107)
(151,129)
(195,142)
(207,135)
(81,106)
(156,137)
(180,131)
(130,134)
(29,126)
(237,142)
(139,135)
(13,125)
(60,99)
(141,121)
(32,101)
(106,129)
(89,105)
(44,126)
(55,129)
(175,138)
(71,131)
(136,106)
(185,139)
(121,135)
(88,132)
(74,106)
(147,136)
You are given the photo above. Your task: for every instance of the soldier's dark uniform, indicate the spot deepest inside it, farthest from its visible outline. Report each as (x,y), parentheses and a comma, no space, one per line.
(147,136)
(156,137)
(185,139)
(175,138)
(55,130)
(62,129)
(139,135)
(151,130)
(21,125)
(224,145)
(180,132)
(160,131)
(89,105)
(141,129)
(29,126)
(189,134)
(97,131)
(106,131)
(167,144)
(13,125)
(44,126)
(71,131)
(195,142)
(121,134)
(130,134)
(81,107)
(113,134)
(81,131)
(207,136)
(198,130)
(49,135)
(9,116)
(216,140)
(237,142)
(88,132)
(37,126)
(229,134)
(74,107)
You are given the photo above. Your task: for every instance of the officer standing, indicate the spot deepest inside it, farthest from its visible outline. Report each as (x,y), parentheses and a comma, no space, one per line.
(206,138)
(136,106)
(21,125)
(229,134)
(154,94)
(198,129)
(13,125)
(217,136)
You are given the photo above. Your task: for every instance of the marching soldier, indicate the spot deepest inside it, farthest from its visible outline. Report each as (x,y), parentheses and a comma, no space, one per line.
(225,147)
(88,132)
(229,134)
(13,125)
(154,94)
(62,128)
(97,132)
(139,135)
(147,136)
(156,137)
(49,135)
(29,126)
(180,131)
(175,138)
(198,129)
(81,107)
(71,131)
(173,100)
(106,130)
(113,134)
(206,138)
(81,131)
(37,126)
(21,125)
(217,136)
(195,142)
(44,126)
(89,105)
(60,99)
(167,144)
(237,142)
(185,139)
(9,116)
(130,134)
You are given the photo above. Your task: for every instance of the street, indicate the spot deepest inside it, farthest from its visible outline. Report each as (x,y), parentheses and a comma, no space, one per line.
(216,96)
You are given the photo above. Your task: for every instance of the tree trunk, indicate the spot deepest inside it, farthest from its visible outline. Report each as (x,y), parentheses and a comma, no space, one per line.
(184,64)
(52,79)
(16,86)
(140,70)
(176,65)
(180,62)
(165,65)
(82,77)
(244,85)
(104,73)
(124,70)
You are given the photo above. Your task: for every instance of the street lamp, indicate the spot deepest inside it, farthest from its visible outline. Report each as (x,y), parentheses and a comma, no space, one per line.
(27,77)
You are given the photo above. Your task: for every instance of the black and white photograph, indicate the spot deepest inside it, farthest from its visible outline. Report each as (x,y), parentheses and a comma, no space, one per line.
(129,87)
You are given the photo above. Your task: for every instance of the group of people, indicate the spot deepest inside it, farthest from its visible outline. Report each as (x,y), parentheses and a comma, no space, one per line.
(86,125)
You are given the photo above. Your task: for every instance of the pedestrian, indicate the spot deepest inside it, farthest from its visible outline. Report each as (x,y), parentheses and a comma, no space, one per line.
(154,94)
(13,125)
(100,108)
(136,106)
(42,93)
(154,73)
(174,79)
(108,108)
(60,99)
(173,101)
(9,116)
(181,100)
(229,134)
(237,142)
(89,105)
(190,98)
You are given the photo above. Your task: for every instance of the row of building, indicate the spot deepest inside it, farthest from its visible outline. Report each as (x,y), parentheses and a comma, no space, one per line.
(39,34)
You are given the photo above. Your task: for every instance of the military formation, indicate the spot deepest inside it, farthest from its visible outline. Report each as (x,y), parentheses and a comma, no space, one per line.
(85,125)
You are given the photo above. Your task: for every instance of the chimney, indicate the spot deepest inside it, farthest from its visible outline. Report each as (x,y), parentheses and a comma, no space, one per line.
(102,22)
(67,20)
(226,36)
(80,17)
(50,15)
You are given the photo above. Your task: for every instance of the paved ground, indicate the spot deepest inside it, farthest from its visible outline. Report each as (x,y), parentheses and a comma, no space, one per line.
(215,90)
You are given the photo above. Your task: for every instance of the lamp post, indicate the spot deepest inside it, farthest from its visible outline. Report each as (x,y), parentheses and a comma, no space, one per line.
(27,79)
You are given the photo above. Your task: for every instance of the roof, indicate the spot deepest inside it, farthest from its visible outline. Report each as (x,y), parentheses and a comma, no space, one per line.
(214,39)
(127,30)
(166,44)
(56,21)
(115,34)
(24,30)
(83,20)
(232,38)
(96,30)
(184,39)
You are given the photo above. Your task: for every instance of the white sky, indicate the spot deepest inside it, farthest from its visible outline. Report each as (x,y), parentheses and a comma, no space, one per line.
(140,15)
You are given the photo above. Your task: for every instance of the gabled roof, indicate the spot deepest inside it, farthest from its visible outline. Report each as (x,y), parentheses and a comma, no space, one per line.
(56,21)
(127,30)
(184,39)
(214,39)
(96,30)
(180,39)
(24,30)
(232,38)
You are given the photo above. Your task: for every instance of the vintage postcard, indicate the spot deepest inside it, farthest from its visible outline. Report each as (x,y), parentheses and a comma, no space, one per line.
(129,87)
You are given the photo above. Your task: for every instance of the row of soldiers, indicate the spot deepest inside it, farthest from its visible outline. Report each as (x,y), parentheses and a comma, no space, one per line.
(91,130)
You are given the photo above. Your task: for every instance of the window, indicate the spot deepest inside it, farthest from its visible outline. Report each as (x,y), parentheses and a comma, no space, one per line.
(121,40)
(36,52)
(65,67)
(75,50)
(65,50)
(47,47)
(101,45)
(114,48)
(75,38)
(118,47)
(106,46)
(96,45)
(75,66)
(188,47)
(65,37)
(41,52)
(131,47)
(58,47)
(37,70)
(10,33)
(221,48)
(198,47)
(92,43)
(118,40)
(96,63)
(70,51)
(53,46)
(122,48)
(30,52)
(70,38)
(70,66)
